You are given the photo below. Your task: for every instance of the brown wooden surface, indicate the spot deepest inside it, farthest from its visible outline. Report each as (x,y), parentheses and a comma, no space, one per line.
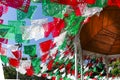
(102,34)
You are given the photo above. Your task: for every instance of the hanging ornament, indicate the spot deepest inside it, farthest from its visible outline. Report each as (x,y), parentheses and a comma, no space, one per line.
(14,62)
(22,5)
(46,45)
(53,9)
(17,54)
(22,15)
(30,50)
(36,65)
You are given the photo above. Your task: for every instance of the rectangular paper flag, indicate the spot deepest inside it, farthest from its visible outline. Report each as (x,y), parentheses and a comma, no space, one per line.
(30,50)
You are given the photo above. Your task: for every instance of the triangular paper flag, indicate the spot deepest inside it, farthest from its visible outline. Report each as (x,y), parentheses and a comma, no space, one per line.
(22,15)
(4,59)
(46,45)
(17,54)
(14,62)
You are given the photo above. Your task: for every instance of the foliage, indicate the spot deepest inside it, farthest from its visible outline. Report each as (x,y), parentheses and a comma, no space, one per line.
(10,73)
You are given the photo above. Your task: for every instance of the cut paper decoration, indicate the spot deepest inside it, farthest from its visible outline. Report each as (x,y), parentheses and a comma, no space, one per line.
(68,2)
(114,3)
(36,1)
(17,26)
(53,9)
(1,10)
(30,71)
(46,45)
(50,65)
(30,50)
(3,51)
(90,1)
(24,64)
(39,21)
(88,12)
(18,38)
(73,23)
(5,9)
(1,21)
(17,4)
(14,62)
(22,15)
(44,57)
(12,47)
(79,9)
(36,65)
(35,31)
(3,40)
(60,39)
(99,3)
(17,54)
(4,59)
(21,70)
(4,29)
(58,26)
(54,27)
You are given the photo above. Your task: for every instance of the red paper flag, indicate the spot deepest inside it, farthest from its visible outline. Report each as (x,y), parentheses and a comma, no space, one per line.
(2,40)
(67,2)
(61,78)
(68,66)
(46,45)
(17,54)
(1,10)
(30,71)
(114,3)
(90,1)
(18,4)
(58,26)
(48,28)
(50,64)
(73,72)
(44,57)
(1,21)
(2,50)
(53,78)
(54,27)
(14,62)
(44,75)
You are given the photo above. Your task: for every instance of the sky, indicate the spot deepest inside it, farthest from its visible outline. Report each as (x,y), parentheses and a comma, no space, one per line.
(12,15)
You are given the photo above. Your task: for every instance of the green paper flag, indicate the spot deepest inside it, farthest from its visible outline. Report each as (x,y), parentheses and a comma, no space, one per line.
(4,30)
(100,65)
(65,78)
(30,50)
(63,46)
(18,39)
(99,3)
(53,9)
(36,65)
(94,69)
(22,15)
(73,23)
(4,59)
(17,26)
(36,1)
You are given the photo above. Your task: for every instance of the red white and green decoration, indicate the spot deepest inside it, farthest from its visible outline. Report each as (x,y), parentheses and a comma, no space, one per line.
(58,56)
